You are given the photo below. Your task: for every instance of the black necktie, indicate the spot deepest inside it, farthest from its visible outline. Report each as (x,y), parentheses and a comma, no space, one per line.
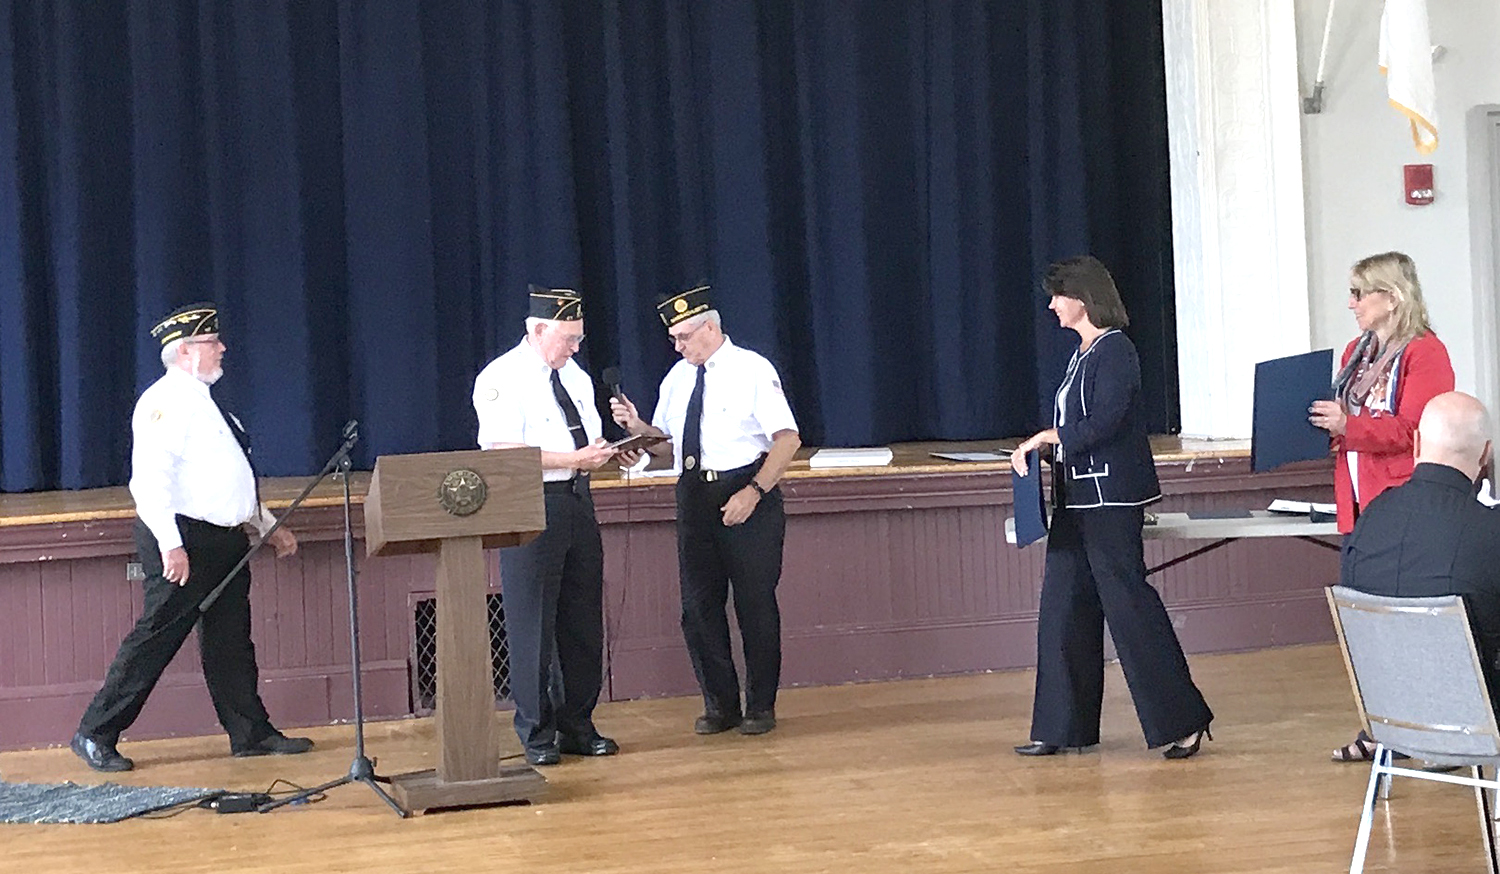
(570,412)
(692,429)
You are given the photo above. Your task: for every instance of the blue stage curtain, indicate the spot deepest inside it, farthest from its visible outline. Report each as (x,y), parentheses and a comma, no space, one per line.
(873,187)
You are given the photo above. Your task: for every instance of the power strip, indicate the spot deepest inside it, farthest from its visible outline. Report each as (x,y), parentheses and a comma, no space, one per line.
(236,802)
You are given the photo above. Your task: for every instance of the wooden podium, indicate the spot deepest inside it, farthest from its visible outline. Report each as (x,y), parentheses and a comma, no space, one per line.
(458,504)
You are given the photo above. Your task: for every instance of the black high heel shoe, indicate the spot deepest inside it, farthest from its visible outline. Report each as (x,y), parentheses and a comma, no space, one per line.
(1181,749)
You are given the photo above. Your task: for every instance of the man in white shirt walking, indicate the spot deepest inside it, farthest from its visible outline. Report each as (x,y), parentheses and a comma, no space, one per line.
(195,495)
(733,435)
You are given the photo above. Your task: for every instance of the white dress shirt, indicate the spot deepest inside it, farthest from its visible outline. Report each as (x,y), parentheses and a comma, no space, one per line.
(515,404)
(743,407)
(185,460)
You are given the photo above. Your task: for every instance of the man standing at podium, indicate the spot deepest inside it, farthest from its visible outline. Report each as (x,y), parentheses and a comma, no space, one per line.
(195,496)
(536,395)
(733,436)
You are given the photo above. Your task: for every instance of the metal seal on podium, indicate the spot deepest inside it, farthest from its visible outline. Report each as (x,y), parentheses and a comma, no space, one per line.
(463,492)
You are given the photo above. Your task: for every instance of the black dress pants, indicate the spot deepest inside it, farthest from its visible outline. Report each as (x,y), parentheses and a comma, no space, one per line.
(1096,571)
(169,615)
(712,558)
(553,589)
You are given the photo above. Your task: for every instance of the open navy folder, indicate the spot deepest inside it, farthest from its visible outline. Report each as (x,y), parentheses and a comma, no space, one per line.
(1284,389)
(1030,507)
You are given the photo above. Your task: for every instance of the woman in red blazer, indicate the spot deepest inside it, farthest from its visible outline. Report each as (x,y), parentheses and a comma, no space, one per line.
(1387,376)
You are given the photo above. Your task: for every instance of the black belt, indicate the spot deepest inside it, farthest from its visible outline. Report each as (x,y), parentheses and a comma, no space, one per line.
(578,485)
(193,522)
(709,476)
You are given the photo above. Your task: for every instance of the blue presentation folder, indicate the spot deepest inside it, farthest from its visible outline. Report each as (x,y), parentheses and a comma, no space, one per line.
(1030,506)
(1284,389)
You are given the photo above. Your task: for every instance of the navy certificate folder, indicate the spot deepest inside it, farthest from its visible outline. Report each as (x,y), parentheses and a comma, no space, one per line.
(1030,508)
(1284,389)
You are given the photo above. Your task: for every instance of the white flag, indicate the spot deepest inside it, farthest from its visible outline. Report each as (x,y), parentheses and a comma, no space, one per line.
(1406,61)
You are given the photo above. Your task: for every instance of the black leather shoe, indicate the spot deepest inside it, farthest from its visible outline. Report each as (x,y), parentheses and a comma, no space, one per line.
(591,745)
(1188,746)
(714,723)
(544,755)
(99,755)
(758,723)
(276,744)
(1037,748)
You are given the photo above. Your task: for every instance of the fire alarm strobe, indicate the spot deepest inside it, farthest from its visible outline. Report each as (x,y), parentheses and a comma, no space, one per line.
(1418,187)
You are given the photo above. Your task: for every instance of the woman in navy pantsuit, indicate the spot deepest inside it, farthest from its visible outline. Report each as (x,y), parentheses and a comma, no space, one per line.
(1103,477)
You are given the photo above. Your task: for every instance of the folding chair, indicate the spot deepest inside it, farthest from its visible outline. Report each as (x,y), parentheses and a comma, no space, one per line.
(1421,691)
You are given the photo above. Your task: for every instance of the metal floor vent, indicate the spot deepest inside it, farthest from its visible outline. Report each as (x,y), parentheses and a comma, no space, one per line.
(424,653)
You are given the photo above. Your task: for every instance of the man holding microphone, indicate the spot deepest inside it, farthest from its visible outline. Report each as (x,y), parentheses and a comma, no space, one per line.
(732,437)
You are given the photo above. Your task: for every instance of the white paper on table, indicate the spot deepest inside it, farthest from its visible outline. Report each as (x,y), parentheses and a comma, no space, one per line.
(638,470)
(971,456)
(872,456)
(1300,508)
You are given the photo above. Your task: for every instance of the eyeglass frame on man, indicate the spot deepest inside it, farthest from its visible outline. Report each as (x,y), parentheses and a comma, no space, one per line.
(573,340)
(686,335)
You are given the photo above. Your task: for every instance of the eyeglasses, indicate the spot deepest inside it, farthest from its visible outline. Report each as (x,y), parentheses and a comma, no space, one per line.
(1362,293)
(574,340)
(685,335)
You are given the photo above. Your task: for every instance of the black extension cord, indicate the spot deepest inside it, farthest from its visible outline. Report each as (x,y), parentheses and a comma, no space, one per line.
(236,802)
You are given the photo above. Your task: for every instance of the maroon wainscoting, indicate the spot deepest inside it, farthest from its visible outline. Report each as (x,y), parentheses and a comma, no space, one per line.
(906,576)
(62,618)
(893,575)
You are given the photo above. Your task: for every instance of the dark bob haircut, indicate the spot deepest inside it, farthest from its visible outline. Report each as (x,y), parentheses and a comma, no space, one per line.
(1086,279)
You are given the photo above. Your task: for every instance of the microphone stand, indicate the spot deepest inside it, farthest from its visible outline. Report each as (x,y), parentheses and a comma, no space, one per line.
(362,768)
(339,460)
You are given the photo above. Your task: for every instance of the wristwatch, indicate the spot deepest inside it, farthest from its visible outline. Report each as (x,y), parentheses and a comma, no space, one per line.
(755,485)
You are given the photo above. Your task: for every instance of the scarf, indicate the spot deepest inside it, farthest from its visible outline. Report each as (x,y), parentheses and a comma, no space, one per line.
(1368,367)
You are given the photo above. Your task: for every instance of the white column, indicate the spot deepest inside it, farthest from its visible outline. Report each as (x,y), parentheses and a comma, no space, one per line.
(1238,229)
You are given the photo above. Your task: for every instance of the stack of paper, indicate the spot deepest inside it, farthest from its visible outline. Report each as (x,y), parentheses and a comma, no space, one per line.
(971,456)
(1300,508)
(874,456)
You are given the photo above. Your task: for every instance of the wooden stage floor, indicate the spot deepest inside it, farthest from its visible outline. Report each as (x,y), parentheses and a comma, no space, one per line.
(904,776)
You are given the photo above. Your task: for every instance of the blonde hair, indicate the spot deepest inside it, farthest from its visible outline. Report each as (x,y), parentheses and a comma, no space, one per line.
(1395,274)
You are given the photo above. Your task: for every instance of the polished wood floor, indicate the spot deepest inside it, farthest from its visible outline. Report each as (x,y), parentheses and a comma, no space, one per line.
(909,776)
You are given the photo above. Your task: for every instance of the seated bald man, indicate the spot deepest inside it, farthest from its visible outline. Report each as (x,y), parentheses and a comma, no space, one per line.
(1431,536)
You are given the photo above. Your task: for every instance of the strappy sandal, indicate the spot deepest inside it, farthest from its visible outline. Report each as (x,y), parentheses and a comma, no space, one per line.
(1362,750)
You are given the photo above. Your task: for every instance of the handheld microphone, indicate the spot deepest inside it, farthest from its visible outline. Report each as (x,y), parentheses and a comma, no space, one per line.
(351,437)
(612,380)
